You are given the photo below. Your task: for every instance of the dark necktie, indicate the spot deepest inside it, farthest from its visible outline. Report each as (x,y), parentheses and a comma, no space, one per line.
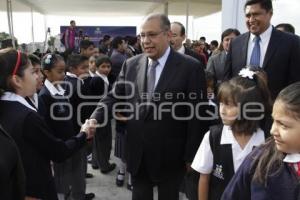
(255,55)
(151,77)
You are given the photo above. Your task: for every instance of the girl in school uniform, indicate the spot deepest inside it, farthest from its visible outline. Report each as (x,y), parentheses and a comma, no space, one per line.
(34,100)
(225,146)
(58,116)
(35,140)
(272,171)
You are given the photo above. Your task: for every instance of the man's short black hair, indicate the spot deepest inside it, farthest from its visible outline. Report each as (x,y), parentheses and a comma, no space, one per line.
(116,41)
(215,43)
(264,4)
(75,60)
(85,44)
(286,27)
(182,28)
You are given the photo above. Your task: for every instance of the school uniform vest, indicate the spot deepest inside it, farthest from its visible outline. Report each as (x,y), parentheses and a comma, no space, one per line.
(223,168)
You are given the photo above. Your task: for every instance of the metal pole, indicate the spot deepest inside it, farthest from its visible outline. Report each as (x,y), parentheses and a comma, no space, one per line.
(187,17)
(32,29)
(10,22)
(166,5)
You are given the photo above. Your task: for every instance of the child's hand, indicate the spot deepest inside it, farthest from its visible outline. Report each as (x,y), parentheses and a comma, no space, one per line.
(89,128)
(121,117)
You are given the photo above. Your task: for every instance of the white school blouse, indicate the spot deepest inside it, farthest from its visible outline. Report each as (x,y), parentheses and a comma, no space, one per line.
(203,161)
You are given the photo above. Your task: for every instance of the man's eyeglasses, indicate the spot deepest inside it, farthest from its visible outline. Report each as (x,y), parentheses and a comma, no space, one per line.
(151,35)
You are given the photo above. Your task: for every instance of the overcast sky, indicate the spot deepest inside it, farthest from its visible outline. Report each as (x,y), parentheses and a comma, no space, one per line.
(286,11)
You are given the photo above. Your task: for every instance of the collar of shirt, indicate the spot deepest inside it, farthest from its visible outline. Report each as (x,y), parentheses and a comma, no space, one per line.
(181,50)
(105,79)
(91,73)
(74,76)
(9,96)
(54,90)
(239,154)
(264,42)
(292,158)
(71,75)
(161,63)
(228,137)
(34,99)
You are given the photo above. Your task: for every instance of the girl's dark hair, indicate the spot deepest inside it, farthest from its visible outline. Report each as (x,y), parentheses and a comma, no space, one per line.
(35,60)
(102,59)
(248,94)
(49,61)
(75,60)
(8,61)
(270,162)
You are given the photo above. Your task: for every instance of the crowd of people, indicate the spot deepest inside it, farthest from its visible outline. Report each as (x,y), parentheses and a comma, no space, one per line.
(214,121)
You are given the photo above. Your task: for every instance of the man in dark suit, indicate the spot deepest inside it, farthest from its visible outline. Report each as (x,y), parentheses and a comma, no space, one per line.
(178,36)
(158,86)
(263,46)
(191,179)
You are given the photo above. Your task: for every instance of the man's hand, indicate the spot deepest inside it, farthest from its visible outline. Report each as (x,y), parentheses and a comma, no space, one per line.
(89,128)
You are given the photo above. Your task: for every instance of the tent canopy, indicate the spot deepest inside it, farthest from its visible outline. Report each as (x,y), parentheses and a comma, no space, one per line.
(197,8)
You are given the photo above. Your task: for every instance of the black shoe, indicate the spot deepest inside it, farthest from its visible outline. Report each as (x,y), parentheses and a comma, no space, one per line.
(89,196)
(129,187)
(88,175)
(109,169)
(95,167)
(120,182)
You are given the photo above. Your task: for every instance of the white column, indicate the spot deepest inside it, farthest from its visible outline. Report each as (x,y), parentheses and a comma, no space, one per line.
(233,15)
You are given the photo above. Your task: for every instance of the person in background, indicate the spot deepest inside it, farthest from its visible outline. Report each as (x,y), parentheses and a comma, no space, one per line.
(34,100)
(70,35)
(117,57)
(75,88)
(178,36)
(104,45)
(92,65)
(213,48)
(216,63)
(285,27)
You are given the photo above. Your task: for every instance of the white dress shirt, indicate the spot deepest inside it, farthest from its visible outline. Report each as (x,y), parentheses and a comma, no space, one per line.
(161,64)
(264,42)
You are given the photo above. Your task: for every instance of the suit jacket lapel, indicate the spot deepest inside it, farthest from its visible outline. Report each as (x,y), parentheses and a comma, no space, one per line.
(272,46)
(244,52)
(141,75)
(167,74)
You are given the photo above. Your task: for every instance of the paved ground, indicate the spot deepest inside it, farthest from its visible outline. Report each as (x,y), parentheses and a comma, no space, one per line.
(103,185)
